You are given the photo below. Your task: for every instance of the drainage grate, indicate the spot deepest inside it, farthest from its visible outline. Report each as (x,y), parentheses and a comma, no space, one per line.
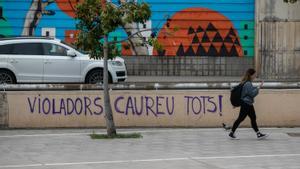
(294,134)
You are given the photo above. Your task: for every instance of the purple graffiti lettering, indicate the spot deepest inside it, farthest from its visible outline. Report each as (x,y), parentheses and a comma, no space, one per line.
(129,105)
(141,108)
(158,104)
(70,102)
(62,106)
(76,105)
(204,103)
(98,105)
(39,100)
(116,104)
(172,111)
(49,106)
(188,103)
(149,106)
(31,106)
(199,103)
(65,106)
(213,103)
(87,103)
(220,104)
(54,108)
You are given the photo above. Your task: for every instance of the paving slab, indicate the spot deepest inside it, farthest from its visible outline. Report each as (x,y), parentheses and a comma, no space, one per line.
(171,148)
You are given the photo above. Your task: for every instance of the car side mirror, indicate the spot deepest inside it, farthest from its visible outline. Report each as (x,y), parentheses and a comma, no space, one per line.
(71,53)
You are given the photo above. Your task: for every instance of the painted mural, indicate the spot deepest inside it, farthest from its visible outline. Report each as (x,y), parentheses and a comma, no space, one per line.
(183,27)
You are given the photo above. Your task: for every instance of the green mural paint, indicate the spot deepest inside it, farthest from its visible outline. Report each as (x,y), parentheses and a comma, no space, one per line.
(116,36)
(247,36)
(5,28)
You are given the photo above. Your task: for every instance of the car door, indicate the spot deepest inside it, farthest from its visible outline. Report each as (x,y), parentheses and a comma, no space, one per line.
(27,60)
(58,67)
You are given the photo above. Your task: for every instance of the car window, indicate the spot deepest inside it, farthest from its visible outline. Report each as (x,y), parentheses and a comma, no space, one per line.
(27,49)
(54,50)
(74,47)
(5,49)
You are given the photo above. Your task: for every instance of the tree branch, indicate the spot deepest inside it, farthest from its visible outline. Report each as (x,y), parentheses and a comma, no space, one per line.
(130,36)
(36,10)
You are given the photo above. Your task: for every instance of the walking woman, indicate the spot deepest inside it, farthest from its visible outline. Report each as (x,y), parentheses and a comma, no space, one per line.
(247,108)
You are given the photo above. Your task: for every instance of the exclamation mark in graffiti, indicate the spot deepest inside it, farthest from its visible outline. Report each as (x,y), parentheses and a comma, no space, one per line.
(220,104)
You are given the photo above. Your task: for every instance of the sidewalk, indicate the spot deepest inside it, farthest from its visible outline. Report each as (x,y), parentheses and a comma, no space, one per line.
(158,149)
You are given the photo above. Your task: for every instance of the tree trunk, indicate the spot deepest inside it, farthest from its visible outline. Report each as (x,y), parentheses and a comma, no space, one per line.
(110,125)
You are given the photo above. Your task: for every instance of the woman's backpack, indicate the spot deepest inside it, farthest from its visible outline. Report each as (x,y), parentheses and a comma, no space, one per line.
(235,95)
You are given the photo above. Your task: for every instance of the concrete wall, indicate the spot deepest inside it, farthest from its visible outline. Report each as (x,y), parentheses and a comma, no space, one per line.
(277,10)
(278,39)
(153,108)
(3,110)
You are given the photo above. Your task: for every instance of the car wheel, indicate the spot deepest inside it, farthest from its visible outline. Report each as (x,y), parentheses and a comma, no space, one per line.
(96,76)
(6,77)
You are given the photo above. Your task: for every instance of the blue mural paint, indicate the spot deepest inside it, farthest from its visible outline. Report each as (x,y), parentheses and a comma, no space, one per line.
(238,12)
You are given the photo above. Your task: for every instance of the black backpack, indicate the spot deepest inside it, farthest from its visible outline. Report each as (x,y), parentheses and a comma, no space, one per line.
(235,95)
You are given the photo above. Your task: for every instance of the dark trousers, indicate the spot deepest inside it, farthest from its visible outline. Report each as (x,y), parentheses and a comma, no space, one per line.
(246,110)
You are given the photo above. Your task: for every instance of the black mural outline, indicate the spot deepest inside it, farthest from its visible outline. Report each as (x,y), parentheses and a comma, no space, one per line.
(231,38)
(191,30)
(200,29)
(1,14)
(180,51)
(2,18)
(195,39)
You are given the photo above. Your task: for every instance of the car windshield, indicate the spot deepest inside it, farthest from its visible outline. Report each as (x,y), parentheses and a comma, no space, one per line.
(74,47)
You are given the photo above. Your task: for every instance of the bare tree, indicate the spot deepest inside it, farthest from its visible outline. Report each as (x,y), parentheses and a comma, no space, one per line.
(34,15)
(137,42)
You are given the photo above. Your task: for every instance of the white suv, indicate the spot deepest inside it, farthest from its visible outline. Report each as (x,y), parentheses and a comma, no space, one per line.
(49,60)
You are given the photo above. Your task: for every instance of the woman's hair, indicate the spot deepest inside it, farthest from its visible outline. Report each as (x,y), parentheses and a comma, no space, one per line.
(248,74)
